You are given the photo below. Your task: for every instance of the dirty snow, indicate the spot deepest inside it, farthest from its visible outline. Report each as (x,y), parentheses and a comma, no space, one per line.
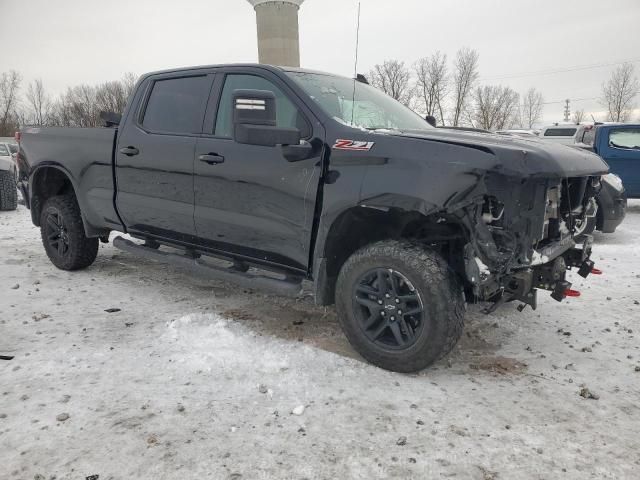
(170,386)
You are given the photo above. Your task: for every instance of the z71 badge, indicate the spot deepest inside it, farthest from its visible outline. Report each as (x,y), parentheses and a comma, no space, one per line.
(353,145)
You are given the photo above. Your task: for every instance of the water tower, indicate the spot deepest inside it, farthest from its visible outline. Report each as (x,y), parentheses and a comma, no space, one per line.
(278,41)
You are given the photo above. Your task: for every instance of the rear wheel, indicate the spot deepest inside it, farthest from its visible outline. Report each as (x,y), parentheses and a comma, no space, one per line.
(8,191)
(400,306)
(63,235)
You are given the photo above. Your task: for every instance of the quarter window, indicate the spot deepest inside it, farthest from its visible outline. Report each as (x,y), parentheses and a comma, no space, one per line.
(177,105)
(287,114)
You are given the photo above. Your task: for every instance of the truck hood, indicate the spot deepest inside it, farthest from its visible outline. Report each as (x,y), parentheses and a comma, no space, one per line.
(520,156)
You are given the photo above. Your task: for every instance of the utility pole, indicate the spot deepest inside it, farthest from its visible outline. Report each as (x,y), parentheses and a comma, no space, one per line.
(567,110)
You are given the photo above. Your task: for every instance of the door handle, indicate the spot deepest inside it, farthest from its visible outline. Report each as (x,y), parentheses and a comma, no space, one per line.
(211,158)
(129,151)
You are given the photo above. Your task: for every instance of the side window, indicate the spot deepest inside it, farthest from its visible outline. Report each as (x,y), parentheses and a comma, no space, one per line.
(177,105)
(287,113)
(627,138)
(4,151)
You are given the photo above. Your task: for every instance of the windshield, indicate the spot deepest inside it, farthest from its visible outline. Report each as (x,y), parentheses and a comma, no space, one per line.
(625,138)
(372,108)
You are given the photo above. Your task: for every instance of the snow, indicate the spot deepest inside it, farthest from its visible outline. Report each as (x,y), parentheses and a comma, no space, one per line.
(167,387)
(538,259)
(484,270)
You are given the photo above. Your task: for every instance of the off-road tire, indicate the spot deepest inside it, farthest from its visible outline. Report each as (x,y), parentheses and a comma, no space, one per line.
(8,191)
(81,251)
(438,287)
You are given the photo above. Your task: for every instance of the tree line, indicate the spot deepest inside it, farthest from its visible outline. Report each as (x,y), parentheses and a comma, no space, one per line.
(451,92)
(78,106)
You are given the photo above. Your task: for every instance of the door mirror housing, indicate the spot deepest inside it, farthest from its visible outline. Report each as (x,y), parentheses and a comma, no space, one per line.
(254,120)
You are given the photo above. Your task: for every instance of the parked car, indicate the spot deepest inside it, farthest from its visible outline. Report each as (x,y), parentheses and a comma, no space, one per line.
(619,145)
(559,133)
(324,178)
(8,177)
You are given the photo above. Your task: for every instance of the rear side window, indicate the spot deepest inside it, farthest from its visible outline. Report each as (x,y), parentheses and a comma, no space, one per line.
(177,105)
(4,151)
(627,138)
(287,114)
(560,132)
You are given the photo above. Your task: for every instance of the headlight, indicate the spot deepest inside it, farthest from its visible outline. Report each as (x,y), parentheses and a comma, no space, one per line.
(614,180)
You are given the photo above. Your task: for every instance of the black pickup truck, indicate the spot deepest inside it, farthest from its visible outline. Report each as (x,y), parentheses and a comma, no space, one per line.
(293,174)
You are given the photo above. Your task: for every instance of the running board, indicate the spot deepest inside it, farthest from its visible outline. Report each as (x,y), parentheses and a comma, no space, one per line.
(289,287)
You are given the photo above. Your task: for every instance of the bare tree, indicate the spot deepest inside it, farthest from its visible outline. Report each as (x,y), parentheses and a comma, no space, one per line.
(39,104)
(531,108)
(9,87)
(619,92)
(432,83)
(496,107)
(128,83)
(394,79)
(579,116)
(465,75)
(112,96)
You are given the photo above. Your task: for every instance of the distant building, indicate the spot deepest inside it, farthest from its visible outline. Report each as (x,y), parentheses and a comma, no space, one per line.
(278,39)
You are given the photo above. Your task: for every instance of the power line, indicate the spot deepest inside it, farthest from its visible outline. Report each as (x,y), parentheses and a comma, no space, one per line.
(574,68)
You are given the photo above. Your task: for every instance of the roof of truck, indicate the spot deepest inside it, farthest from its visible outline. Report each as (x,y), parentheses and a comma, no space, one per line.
(252,65)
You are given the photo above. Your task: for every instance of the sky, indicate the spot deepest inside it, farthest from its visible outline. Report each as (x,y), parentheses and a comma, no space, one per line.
(564,48)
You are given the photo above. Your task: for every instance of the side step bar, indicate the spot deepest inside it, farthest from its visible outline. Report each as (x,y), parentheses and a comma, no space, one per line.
(289,287)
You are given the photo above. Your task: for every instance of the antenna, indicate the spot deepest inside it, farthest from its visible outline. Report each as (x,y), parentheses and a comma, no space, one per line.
(355,66)
(355,69)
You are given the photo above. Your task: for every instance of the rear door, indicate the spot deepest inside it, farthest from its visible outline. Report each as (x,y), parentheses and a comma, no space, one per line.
(154,156)
(254,203)
(622,153)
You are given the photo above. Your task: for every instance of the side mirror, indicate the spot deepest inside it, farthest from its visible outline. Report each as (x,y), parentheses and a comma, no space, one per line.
(254,120)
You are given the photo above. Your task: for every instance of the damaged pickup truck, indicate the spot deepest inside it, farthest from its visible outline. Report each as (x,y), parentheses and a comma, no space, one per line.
(295,175)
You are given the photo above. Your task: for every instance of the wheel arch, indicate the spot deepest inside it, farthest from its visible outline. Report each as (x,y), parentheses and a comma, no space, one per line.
(358,226)
(50,180)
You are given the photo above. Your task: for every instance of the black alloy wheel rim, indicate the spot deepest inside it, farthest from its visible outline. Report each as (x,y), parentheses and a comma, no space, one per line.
(388,308)
(56,233)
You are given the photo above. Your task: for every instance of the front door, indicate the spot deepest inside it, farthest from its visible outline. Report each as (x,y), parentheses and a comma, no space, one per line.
(154,167)
(249,200)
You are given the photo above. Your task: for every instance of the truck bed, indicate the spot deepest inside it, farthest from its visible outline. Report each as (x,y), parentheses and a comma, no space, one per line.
(86,155)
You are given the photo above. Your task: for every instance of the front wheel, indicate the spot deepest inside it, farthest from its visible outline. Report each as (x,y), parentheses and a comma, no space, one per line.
(63,234)
(400,305)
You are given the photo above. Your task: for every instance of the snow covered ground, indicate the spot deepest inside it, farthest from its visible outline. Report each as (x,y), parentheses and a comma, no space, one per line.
(194,379)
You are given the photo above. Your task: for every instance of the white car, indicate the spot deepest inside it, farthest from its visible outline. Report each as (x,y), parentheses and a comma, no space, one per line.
(8,176)
(560,133)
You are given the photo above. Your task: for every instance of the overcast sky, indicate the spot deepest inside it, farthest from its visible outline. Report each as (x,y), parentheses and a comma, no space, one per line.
(67,42)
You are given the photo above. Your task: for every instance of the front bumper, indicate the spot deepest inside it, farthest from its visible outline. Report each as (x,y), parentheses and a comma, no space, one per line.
(548,274)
